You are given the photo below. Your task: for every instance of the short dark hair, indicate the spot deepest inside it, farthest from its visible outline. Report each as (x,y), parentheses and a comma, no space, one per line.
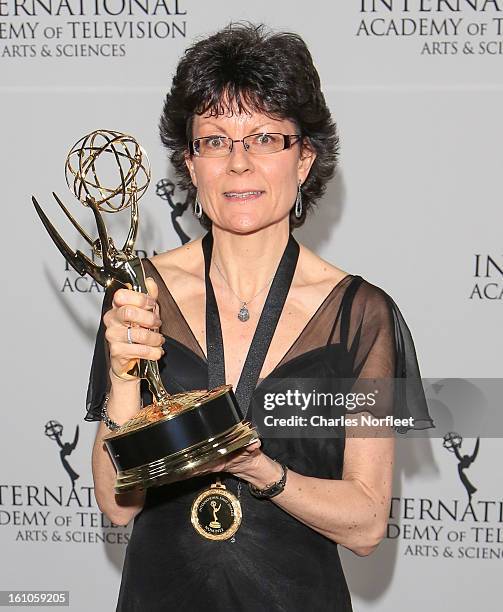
(248,67)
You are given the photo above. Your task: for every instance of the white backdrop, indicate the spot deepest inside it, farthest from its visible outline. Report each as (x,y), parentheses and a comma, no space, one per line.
(416,90)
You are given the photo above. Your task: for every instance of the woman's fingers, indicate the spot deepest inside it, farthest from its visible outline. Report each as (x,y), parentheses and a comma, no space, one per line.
(152,288)
(123,297)
(253,446)
(235,462)
(138,335)
(126,352)
(132,314)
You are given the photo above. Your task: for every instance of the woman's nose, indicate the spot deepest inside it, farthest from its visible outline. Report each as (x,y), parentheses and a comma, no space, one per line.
(238,159)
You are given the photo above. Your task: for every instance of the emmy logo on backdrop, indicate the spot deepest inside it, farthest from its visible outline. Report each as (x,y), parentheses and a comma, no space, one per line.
(165,189)
(452,442)
(54,431)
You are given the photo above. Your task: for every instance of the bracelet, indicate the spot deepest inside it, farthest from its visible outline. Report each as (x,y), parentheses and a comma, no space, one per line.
(271,490)
(112,425)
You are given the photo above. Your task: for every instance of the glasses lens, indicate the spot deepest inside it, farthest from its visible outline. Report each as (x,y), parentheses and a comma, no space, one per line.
(262,144)
(211,146)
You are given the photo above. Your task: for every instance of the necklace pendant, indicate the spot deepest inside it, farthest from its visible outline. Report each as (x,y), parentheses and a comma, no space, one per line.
(216,513)
(244,313)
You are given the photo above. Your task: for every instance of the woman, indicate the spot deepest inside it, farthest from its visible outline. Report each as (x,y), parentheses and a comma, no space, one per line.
(253,142)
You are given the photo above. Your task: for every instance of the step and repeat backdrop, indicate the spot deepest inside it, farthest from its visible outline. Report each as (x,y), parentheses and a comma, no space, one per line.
(416,88)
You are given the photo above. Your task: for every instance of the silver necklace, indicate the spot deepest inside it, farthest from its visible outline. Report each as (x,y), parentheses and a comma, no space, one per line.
(243,314)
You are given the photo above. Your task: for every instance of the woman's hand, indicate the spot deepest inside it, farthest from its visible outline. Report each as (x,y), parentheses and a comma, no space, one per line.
(248,463)
(138,311)
(238,462)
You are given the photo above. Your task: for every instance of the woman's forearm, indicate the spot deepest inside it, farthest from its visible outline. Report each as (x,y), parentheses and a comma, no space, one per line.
(124,403)
(345,511)
(341,510)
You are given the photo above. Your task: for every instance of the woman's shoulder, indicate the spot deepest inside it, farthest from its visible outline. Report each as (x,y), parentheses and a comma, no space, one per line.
(317,273)
(180,263)
(364,297)
(372,306)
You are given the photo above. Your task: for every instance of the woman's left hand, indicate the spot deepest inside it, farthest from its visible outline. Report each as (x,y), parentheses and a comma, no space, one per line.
(243,462)
(248,463)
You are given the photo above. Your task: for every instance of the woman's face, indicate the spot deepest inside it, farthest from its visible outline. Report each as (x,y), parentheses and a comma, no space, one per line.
(273,178)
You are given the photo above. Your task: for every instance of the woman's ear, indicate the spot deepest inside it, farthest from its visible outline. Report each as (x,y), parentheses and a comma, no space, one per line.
(306,159)
(190,167)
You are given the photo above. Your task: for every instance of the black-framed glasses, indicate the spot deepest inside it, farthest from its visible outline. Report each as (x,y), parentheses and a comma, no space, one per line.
(256,144)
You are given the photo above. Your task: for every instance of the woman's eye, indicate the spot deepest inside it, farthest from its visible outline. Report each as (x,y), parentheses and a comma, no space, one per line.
(215,143)
(264,139)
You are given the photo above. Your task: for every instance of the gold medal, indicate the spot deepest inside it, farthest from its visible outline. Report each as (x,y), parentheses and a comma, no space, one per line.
(216,513)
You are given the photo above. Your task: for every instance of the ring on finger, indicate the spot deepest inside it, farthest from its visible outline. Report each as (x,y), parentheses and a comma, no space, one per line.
(129,339)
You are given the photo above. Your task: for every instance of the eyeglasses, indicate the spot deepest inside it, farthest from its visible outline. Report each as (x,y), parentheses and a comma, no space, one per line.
(256,144)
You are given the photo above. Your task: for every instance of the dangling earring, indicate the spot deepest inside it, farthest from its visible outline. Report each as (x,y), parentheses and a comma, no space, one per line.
(298,203)
(198,209)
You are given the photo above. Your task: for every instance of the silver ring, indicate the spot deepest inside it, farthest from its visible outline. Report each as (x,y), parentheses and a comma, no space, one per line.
(129,339)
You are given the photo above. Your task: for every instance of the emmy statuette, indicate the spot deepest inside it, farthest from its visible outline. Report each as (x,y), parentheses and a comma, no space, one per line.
(176,434)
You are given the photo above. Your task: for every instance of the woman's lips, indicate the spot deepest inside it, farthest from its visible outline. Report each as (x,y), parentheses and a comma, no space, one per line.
(242,196)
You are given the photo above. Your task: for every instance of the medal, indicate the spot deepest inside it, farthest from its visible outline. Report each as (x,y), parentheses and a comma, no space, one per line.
(216,513)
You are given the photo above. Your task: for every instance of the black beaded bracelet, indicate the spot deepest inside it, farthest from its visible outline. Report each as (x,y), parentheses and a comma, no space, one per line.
(271,490)
(112,425)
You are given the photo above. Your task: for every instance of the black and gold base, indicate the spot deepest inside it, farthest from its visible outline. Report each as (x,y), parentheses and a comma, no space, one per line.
(165,443)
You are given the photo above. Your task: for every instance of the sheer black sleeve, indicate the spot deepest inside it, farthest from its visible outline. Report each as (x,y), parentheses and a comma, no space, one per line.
(99,378)
(382,350)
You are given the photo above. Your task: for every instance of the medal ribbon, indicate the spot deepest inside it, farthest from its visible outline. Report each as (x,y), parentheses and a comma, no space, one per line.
(257,352)
(264,332)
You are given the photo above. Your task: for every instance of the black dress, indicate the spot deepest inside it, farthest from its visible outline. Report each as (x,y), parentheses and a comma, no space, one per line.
(275,562)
